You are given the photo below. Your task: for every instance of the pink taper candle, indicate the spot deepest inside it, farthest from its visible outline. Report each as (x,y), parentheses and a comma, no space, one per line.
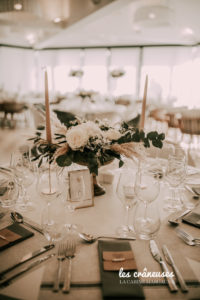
(48,122)
(142,120)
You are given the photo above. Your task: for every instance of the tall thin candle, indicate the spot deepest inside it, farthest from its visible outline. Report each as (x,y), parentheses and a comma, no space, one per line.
(48,121)
(142,120)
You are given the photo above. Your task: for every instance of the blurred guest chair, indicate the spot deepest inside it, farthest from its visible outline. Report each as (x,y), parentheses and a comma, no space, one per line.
(11,108)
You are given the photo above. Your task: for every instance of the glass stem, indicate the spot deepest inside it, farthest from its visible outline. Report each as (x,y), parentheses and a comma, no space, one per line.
(174,195)
(127,216)
(145,211)
(48,213)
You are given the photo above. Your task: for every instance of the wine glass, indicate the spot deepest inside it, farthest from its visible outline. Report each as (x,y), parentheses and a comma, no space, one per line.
(75,198)
(175,176)
(146,218)
(8,188)
(24,177)
(157,159)
(53,220)
(126,194)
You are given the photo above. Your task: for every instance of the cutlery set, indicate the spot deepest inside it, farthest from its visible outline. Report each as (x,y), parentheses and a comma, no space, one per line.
(65,250)
(157,256)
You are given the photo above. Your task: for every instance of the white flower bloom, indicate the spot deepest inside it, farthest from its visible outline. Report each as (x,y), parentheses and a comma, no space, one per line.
(112,134)
(92,129)
(77,137)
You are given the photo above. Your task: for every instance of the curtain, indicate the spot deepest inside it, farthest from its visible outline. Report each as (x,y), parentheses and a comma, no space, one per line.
(173,72)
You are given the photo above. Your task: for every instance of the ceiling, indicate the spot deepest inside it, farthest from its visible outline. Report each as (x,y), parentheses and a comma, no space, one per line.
(107,23)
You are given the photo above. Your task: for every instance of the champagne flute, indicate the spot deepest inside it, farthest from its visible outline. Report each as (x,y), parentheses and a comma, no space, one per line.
(126,194)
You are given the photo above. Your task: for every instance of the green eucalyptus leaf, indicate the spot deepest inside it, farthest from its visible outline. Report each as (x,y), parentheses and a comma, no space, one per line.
(121,163)
(64,160)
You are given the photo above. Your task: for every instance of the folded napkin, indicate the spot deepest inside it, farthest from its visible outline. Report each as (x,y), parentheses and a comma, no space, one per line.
(4,297)
(192,219)
(114,286)
(13,234)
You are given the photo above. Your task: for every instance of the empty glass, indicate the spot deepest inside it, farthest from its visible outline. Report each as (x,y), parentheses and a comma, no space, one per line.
(126,194)
(48,185)
(175,176)
(75,198)
(53,220)
(8,188)
(157,159)
(24,178)
(146,218)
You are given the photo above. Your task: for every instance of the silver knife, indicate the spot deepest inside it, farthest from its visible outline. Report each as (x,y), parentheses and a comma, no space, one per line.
(26,258)
(170,261)
(7,281)
(156,255)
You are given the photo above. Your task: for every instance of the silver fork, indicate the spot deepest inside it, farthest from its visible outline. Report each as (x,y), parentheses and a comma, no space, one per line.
(69,254)
(188,239)
(60,258)
(188,236)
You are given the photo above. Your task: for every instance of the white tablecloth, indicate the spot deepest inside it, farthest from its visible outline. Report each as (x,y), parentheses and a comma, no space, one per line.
(104,217)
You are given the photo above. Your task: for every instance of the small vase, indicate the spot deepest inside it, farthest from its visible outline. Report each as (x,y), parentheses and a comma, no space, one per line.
(98,189)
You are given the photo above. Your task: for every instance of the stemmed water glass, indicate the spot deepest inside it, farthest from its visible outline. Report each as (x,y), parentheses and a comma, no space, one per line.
(146,218)
(53,220)
(75,199)
(126,194)
(175,176)
(20,164)
(8,188)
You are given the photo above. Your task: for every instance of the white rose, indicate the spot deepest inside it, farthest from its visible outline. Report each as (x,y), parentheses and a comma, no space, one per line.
(112,134)
(92,129)
(76,137)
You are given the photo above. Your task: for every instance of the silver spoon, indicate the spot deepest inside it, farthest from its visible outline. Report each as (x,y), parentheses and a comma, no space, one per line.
(17,217)
(89,238)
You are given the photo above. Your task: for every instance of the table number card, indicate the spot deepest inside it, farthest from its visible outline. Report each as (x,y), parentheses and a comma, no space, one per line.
(81,191)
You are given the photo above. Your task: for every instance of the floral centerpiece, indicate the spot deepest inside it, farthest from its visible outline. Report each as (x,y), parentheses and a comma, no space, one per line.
(116,73)
(86,94)
(76,73)
(93,144)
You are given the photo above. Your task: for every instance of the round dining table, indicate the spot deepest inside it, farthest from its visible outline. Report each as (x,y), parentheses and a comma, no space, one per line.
(102,218)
